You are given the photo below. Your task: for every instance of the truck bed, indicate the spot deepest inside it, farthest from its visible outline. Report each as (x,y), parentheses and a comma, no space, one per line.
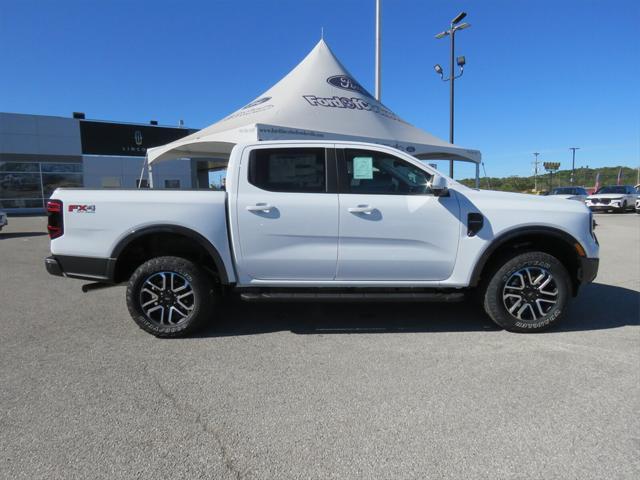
(95,221)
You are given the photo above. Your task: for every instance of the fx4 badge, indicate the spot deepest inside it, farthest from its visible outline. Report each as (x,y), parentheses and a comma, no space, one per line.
(82,208)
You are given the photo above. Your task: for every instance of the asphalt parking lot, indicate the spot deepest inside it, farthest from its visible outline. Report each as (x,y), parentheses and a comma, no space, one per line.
(316,391)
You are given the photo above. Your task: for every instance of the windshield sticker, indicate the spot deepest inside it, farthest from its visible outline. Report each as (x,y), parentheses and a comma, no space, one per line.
(363,168)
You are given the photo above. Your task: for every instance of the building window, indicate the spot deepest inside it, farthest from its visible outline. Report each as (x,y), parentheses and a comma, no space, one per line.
(110,182)
(19,167)
(172,184)
(144,183)
(51,181)
(61,167)
(29,184)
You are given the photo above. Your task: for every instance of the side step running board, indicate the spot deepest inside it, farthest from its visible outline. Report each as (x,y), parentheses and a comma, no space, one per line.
(355,296)
(89,287)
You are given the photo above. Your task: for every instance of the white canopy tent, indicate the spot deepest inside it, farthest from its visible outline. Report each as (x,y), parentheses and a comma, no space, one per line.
(317,100)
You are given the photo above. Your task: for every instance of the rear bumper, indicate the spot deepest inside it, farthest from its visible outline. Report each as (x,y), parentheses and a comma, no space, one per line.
(588,270)
(86,268)
(53,267)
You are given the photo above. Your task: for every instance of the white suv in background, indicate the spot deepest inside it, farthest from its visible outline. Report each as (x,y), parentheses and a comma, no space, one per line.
(613,197)
(570,193)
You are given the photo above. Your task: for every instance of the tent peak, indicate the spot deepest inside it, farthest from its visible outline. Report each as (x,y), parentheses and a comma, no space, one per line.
(322,44)
(318,99)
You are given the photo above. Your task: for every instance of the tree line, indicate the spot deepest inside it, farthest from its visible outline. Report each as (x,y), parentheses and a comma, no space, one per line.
(584,177)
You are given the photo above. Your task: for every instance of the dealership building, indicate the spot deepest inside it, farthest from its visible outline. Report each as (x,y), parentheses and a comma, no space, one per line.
(41,153)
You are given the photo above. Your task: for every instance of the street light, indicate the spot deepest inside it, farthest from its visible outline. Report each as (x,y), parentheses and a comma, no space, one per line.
(461,61)
(459,18)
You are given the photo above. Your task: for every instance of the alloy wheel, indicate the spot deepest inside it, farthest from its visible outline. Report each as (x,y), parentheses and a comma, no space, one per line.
(167,298)
(530,293)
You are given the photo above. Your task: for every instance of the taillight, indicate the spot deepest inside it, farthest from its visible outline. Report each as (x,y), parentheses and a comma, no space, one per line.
(55,225)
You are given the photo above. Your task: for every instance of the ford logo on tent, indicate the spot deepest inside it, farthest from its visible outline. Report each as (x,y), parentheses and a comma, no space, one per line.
(257,102)
(347,83)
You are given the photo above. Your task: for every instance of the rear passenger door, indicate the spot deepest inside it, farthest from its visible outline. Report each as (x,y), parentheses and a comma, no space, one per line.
(287,214)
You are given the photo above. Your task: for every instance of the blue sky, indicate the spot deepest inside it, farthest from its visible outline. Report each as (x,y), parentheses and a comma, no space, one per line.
(541,75)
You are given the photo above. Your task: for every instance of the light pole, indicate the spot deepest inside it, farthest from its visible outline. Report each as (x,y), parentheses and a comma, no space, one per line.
(453,28)
(573,163)
(378,50)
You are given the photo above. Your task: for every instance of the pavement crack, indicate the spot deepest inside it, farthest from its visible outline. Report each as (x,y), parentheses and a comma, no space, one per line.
(198,418)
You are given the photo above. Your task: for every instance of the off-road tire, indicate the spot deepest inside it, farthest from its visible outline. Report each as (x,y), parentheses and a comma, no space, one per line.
(205,297)
(494,290)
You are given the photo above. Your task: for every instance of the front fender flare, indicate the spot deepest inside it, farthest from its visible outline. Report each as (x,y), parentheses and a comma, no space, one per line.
(505,237)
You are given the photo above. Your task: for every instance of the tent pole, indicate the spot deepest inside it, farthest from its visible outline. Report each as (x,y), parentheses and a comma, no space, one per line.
(144,164)
(150,176)
(477,175)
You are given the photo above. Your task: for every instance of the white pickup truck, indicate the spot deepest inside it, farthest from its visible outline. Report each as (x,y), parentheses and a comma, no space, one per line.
(324,221)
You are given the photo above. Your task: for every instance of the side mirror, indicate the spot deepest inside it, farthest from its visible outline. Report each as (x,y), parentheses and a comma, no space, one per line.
(438,185)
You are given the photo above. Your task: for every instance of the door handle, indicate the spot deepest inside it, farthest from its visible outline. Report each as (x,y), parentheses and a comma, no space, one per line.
(259,207)
(361,209)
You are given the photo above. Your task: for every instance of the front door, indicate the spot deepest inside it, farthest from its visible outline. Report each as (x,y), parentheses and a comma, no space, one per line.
(391,227)
(287,220)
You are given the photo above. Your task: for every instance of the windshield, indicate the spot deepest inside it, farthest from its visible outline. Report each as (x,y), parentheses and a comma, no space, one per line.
(563,191)
(612,189)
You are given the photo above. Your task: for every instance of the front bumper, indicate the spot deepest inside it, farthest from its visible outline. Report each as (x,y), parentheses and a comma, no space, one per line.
(604,206)
(588,270)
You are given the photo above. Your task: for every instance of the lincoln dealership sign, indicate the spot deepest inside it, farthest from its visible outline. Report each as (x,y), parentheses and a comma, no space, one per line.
(103,138)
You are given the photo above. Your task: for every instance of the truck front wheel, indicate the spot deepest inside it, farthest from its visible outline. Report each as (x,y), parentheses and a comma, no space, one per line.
(170,297)
(527,293)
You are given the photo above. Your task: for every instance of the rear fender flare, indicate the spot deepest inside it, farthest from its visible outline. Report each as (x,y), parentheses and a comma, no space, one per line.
(177,229)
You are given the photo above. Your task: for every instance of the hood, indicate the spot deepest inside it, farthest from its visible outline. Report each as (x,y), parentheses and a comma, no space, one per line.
(566,197)
(524,201)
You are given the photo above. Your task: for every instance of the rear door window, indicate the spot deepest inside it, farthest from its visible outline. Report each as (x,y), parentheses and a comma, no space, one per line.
(299,170)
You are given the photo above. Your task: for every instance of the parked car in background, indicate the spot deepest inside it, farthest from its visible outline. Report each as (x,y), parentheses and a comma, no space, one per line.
(3,220)
(617,198)
(570,193)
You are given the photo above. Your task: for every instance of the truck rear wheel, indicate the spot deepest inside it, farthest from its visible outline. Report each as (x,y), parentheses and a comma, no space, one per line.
(170,297)
(528,293)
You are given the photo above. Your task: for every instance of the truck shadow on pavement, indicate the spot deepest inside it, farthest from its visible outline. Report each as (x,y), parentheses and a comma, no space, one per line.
(597,307)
